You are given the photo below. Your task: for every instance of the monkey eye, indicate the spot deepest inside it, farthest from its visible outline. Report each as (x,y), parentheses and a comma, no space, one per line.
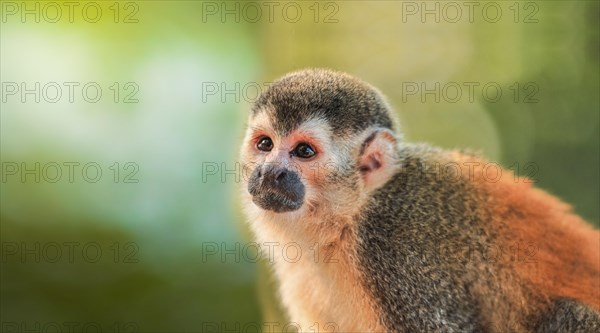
(265,144)
(303,150)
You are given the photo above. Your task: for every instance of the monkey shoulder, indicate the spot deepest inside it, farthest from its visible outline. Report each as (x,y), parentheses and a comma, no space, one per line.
(403,234)
(424,193)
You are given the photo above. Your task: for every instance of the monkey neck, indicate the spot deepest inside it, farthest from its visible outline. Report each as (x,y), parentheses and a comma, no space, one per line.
(326,237)
(311,228)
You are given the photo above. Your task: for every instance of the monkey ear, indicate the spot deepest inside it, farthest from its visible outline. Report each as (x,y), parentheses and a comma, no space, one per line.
(378,158)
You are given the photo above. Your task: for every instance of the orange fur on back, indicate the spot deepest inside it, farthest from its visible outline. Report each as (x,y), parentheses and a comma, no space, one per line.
(558,254)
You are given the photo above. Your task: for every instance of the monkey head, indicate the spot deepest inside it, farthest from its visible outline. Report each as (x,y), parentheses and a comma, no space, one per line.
(317,137)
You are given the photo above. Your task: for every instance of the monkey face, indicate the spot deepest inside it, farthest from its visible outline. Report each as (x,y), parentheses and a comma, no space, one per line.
(286,171)
(275,183)
(316,141)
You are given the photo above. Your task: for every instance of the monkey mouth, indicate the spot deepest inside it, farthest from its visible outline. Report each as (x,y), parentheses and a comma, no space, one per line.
(279,191)
(276,202)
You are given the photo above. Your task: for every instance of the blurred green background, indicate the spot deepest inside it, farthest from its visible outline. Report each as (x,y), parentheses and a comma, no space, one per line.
(139,247)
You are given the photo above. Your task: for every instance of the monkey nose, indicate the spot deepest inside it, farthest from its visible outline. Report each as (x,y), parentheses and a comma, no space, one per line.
(275,176)
(276,188)
(280,175)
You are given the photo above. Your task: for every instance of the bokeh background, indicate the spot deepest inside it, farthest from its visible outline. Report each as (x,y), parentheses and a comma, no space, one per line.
(139,247)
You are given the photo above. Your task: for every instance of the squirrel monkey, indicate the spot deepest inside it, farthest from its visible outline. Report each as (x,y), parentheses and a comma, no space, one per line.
(401,237)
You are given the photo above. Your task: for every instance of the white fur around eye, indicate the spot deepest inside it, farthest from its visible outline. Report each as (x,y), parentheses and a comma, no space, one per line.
(319,130)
